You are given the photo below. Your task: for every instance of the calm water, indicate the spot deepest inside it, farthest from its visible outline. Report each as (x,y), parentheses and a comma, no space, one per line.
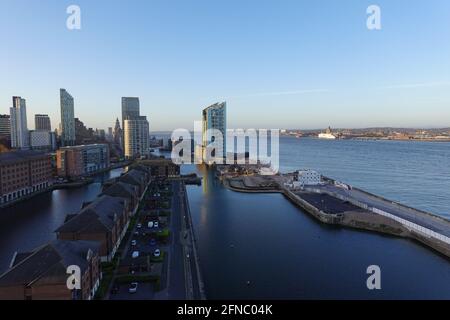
(286,254)
(281,250)
(32,223)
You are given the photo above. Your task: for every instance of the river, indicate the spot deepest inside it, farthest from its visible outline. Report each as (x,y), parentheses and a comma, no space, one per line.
(261,246)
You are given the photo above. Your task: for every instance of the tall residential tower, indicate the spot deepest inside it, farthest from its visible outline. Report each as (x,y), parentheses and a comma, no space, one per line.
(136,137)
(214,117)
(42,122)
(19,129)
(67,118)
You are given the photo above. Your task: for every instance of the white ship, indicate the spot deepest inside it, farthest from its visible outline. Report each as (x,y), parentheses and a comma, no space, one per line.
(328,134)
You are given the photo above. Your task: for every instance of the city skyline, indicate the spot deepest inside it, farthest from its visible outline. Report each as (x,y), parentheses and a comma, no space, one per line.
(297,62)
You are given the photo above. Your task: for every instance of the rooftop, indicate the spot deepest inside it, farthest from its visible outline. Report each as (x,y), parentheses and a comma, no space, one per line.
(14,156)
(48,263)
(99,215)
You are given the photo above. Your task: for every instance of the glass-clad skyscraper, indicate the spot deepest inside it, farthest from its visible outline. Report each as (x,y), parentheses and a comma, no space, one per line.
(214,117)
(67,118)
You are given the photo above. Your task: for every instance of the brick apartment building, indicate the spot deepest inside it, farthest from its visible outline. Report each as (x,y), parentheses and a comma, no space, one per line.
(23,173)
(42,273)
(162,168)
(82,160)
(105,220)
(126,191)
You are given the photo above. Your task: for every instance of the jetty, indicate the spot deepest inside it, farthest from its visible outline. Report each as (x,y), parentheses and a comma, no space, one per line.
(334,202)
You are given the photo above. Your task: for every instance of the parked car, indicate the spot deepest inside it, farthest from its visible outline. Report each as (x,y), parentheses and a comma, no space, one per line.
(153,242)
(150,224)
(157,253)
(133,243)
(135,254)
(133,287)
(136,233)
(156,224)
(139,226)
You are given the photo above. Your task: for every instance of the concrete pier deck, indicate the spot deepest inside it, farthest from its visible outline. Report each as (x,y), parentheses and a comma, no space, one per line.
(426,220)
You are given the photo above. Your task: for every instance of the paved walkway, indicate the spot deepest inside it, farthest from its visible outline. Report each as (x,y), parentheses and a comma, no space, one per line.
(436,224)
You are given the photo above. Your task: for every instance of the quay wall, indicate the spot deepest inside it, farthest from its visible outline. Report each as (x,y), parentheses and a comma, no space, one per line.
(420,230)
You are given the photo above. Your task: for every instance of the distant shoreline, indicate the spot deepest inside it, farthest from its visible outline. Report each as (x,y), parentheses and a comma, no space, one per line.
(367,139)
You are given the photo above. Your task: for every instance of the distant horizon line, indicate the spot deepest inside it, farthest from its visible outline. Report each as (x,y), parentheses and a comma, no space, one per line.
(337,128)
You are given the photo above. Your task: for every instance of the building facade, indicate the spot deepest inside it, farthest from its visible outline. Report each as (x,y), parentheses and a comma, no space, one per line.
(42,140)
(104,220)
(5,125)
(136,137)
(67,118)
(42,122)
(130,108)
(19,128)
(23,173)
(214,117)
(82,160)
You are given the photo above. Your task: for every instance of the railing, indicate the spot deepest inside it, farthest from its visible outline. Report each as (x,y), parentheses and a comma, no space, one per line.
(408,224)
(413,226)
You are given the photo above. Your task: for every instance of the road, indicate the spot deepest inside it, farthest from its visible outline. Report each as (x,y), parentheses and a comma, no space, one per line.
(433,223)
(176,286)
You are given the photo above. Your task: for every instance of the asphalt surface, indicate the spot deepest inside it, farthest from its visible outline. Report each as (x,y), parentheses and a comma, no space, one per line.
(327,203)
(414,216)
(176,287)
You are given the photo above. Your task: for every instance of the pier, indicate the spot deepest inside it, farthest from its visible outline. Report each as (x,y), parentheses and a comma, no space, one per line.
(337,203)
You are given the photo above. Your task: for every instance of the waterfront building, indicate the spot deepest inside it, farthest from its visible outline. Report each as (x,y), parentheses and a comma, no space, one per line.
(23,173)
(163,168)
(82,160)
(123,190)
(137,178)
(303,178)
(130,108)
(42,122)
(41,274)
(136,137)
(5,125)
(67,118)
(42,140)
(104,220)
(214,117)
(19,128)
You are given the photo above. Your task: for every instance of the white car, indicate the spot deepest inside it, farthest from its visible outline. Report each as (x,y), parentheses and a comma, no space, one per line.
(135,254)
(150,224)
(133,243)
(133,287)
(139,226)
(156,224)
(157,253)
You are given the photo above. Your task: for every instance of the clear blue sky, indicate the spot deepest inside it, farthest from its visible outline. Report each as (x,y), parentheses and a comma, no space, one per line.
(278,64)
